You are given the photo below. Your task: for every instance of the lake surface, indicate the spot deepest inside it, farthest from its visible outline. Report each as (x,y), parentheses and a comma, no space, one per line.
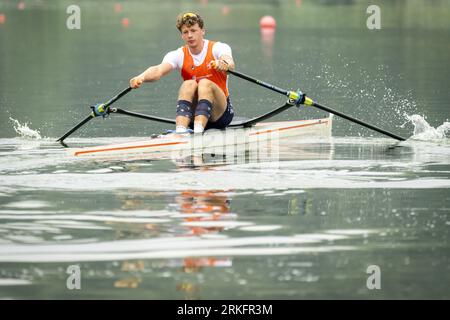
(308,222)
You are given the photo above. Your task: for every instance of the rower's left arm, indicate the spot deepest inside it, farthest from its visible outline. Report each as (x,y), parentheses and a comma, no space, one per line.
(228,60)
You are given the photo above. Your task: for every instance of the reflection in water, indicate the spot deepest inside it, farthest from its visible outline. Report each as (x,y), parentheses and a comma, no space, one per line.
(198,207)
(267,153)
(267,41)
(290,237)
(202,213)
(299,206)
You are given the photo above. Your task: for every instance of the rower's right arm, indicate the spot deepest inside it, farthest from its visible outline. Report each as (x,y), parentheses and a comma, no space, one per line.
(153,73)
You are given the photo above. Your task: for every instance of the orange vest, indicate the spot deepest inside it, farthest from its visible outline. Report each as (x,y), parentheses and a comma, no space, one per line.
(191,72)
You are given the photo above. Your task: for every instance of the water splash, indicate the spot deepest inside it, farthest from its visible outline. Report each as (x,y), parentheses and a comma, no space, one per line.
(424,131)
(24,131)
(371,93)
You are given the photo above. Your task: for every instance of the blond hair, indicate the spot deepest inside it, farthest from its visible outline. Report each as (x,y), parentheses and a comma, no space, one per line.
(189,19)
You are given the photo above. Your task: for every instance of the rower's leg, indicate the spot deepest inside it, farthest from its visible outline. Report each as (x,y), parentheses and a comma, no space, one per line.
(211,105)
(185,110)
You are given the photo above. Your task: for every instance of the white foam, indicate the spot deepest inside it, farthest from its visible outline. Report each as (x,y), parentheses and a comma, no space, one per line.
(424,131)
(24,131)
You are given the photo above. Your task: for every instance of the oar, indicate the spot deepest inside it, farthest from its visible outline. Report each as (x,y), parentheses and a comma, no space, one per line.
(300,98)
(100,109)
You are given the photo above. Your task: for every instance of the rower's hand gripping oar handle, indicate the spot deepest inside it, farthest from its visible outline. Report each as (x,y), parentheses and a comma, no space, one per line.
(299,98)
(97,110)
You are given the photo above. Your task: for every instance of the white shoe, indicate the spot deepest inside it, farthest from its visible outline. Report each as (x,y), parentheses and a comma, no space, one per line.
(198,128)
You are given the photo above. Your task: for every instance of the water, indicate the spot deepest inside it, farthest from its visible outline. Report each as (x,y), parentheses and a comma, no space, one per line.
(224,227)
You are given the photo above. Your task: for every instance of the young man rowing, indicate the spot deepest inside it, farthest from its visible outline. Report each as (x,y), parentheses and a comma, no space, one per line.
(203,97)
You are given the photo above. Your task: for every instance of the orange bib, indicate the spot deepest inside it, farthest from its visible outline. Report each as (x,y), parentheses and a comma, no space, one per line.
(189,71)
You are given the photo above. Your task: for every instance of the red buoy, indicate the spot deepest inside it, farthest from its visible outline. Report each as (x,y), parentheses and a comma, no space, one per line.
(118,7)
(225,10)
(267,22)
(21,5)
(125,22)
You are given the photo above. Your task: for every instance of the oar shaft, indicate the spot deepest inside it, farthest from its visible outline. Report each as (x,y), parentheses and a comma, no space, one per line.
(142,116)
(259,82)
(89,117)
(364,124)
(310,102)
(117,97)
(92,115)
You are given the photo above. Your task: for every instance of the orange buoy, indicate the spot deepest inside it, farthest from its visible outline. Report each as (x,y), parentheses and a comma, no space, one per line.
(125,22)
(225,10)
(2,18)
(267,22)
(118,8)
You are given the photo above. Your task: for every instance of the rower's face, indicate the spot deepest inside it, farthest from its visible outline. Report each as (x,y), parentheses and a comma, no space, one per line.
(193,35)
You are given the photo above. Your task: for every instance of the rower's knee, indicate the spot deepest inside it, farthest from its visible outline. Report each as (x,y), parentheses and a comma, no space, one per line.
(205,86)
(189,87)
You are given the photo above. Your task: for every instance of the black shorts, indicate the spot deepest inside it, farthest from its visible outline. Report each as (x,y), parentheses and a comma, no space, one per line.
(224,120)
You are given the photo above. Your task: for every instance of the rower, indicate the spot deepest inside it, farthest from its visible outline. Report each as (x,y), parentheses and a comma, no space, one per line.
(203,100)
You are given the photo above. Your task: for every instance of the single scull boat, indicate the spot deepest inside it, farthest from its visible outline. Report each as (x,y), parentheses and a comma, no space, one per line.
(238,133)
(217,139)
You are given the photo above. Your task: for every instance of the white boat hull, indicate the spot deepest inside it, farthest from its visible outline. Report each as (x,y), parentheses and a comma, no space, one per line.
(212,139)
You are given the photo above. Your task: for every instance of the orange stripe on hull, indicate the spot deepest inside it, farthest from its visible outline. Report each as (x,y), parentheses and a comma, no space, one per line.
(287,128)
(130,147)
